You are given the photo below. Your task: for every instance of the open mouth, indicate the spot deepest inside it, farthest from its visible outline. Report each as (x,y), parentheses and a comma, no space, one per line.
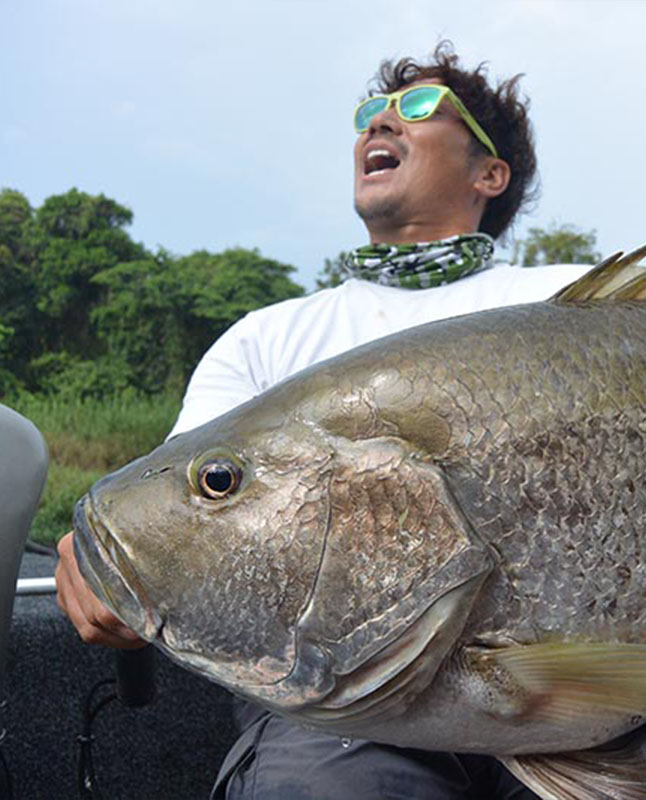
(378,161)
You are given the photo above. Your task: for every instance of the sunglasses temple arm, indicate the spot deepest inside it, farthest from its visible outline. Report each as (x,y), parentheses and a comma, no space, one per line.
(475,128)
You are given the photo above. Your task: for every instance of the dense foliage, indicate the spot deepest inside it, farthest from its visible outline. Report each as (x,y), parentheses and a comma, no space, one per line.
(87,312)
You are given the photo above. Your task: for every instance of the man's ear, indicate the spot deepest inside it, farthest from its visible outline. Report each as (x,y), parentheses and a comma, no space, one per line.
(493,177)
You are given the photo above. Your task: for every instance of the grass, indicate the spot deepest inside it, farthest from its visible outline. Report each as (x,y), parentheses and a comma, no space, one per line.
(86,439)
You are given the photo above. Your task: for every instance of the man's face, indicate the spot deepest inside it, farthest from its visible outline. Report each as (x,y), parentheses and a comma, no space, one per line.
(413,174)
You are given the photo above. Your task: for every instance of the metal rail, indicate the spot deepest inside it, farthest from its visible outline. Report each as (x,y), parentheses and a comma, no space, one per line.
(36,586)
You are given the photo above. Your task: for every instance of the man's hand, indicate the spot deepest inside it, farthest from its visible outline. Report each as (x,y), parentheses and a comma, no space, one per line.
(94,623)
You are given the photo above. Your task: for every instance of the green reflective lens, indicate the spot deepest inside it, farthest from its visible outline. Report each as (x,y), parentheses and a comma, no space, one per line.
(366,111)
(419,103)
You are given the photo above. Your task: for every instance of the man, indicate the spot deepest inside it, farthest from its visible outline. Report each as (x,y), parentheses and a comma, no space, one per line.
(442,164)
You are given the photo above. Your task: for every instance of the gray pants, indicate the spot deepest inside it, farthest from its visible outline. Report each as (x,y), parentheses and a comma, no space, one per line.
(23,467)
(276,760)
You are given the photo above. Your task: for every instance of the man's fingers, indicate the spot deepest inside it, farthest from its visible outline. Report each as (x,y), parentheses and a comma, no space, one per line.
(94,622)
(99,628)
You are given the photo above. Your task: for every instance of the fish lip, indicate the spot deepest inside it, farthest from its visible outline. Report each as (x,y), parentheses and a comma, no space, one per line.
(108,571)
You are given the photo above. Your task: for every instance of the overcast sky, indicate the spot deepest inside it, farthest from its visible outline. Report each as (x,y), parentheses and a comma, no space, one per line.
(229,123)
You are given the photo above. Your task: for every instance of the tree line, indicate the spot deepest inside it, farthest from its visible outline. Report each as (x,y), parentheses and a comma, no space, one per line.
(86,311)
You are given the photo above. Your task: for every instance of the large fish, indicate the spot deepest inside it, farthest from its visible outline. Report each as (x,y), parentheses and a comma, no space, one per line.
(436,540)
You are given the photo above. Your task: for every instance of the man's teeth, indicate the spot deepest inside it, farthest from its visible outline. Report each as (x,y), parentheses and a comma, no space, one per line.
(379,161)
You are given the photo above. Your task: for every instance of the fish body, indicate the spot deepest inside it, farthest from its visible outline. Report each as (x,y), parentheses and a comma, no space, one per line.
(435,540)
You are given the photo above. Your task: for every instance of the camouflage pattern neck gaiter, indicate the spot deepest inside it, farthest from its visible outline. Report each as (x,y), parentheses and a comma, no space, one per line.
(422,265)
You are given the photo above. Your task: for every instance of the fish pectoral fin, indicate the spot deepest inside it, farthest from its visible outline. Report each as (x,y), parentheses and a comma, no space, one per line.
(388,681)
(560,680)
(619,277)
(616,770)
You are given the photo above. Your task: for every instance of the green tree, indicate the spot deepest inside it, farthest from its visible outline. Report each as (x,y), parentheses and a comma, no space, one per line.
(222,287)
(332,273)
(15,212)
(161,313)
(86,311)
(559,244)
(17,283)
(138,320)
(6,333)
(72,238)
(8,381)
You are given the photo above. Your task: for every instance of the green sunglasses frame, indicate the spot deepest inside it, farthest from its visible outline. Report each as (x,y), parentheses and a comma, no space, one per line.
(396,97)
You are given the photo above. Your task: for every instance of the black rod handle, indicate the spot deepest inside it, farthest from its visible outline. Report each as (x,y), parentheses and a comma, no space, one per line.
(136,676)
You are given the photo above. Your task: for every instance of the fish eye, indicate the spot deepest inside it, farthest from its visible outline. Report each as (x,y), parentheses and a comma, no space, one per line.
(218,479)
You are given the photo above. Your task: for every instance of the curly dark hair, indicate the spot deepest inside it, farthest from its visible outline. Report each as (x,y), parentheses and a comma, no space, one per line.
(499,111)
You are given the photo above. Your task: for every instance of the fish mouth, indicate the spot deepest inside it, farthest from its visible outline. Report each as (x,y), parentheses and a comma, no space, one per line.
(110,574)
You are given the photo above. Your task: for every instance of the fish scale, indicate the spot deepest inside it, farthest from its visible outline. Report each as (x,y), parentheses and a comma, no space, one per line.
(593,442)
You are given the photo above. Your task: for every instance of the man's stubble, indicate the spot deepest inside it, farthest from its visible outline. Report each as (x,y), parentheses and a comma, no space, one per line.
(384,209)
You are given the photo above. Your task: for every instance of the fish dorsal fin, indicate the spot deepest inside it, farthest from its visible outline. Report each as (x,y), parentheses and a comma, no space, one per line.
(616,770)
(620,277)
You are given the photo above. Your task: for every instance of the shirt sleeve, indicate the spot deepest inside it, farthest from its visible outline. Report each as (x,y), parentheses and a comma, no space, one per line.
(229,373)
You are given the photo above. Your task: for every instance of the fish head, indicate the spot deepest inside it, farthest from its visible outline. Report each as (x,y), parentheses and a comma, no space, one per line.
(210,546)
